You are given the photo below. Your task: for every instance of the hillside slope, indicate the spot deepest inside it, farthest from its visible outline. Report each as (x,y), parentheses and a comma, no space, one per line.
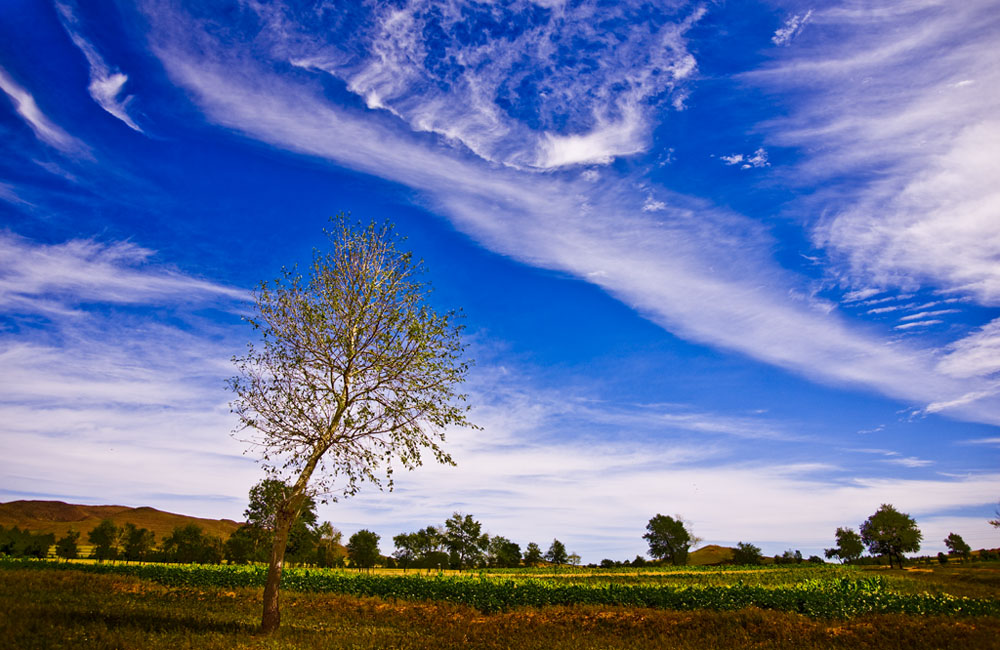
(58,517)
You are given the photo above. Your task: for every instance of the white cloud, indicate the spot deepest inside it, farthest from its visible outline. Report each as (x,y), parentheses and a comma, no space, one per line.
(791,28)
(105,84)
(510,99)
(55,278)
(909,461)
(868,103)
(141,399)
(757,159)
(664,267)
(652,205)
(983,441)
(975,355)
(926,314)
(46,131)
(922,323)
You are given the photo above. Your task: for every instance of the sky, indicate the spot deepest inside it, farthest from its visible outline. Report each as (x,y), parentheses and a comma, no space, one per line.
(733,261)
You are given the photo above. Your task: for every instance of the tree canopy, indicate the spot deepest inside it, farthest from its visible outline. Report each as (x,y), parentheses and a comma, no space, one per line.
(362,548)
(849,546)
(557,553)
(532,554)
(747,553)
(464,538)
(353,373)
(668,538)
(891,533)
(957,545)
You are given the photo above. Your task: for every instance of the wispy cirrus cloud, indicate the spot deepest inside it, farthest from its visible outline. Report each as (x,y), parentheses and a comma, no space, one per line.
(106,84)
(92,370)
(56,278)
(45,129)
(978,354)
(916,131)
(661,263)
(558,90)
(791,28)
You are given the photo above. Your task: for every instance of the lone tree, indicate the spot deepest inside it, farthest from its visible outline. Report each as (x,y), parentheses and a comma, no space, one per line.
(746,553)
(464,538)
(354,372)
(957,546)
(849,546)
(362,548)
(995,522)
(891,533)
(669,539)
(557,553)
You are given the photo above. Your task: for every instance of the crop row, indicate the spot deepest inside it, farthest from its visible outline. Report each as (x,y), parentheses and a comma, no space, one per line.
(833,598)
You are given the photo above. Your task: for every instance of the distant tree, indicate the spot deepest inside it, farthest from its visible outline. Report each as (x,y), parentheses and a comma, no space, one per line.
(957,546)
(266,498)
(104,538)
(746,554)
(607,563)
(789,557)
(190,545)
(942,558)
(23,543)
(891,533)
(532,554)
(639,561)
(241,546)
(503,552)
(68,546)
(557,553)
(355,374)
(330,551)
(574,559)
(362,548)
(464,537)
(815,559)
(849,546)
(996,522)
(136,542)
(423,549)
(669,539)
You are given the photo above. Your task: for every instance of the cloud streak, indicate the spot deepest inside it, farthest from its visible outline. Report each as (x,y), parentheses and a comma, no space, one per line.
(916,129)
(106,85)
(55,278)
(663,265)
(44,128)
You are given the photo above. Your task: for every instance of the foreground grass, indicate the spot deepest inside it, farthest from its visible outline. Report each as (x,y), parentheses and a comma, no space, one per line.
(69,609)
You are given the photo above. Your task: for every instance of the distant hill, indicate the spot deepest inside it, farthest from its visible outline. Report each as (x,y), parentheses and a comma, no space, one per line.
(711,554)
(58,517)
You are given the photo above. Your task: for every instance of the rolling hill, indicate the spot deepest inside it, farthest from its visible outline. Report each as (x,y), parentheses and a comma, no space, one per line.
(57,517)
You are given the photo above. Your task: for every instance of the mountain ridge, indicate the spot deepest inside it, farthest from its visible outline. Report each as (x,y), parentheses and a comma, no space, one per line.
(58,517)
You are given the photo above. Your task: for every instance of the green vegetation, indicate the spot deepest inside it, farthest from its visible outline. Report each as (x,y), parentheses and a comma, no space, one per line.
(52,609)
(825,592)
(669,539)
(891,533)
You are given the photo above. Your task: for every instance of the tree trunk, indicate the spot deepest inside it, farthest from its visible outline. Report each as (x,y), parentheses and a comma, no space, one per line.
(271,618)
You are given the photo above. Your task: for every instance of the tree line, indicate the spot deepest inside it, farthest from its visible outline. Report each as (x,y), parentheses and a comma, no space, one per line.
(888,534)
(459,543)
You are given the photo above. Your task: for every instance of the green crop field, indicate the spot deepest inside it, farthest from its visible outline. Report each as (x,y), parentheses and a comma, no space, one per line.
(215,603)
(46,605)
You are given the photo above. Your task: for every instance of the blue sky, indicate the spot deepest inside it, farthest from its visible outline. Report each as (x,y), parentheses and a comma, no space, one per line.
(734,261)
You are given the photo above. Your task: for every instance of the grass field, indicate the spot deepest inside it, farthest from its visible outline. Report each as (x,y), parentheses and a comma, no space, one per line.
(69,609)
